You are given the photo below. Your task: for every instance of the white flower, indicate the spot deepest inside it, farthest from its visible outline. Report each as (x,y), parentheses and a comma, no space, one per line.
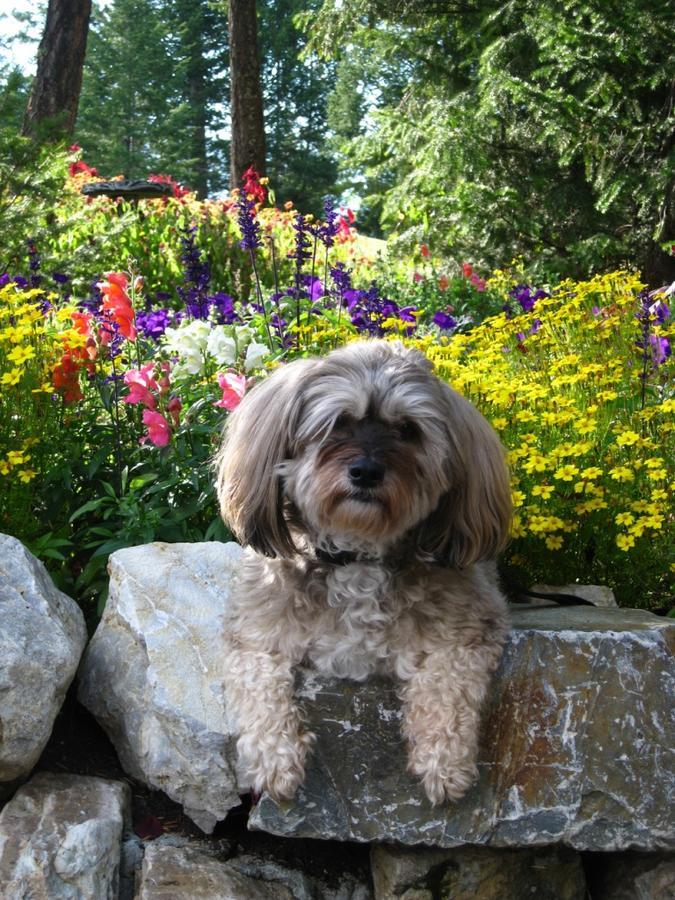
(222,347)
(255,353)
(188,342)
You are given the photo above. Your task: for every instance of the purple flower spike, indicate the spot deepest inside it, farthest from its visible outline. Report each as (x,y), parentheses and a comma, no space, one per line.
(251,233)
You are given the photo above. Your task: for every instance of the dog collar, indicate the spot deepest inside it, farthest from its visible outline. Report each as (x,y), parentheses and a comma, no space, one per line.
(342,557)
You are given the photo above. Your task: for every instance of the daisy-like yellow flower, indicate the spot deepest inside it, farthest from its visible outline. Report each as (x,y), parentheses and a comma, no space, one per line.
(545,491)
(622,474)
(11,377)
(625,542)
(554,542)
(26,475)
(591,473)
(624,518)
(627,438)
(566,473)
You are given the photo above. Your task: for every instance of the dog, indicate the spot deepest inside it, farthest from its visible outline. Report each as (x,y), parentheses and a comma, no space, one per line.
(374,499)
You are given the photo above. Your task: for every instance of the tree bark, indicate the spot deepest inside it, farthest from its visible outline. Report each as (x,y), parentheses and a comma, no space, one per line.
(52,106)
(246,108)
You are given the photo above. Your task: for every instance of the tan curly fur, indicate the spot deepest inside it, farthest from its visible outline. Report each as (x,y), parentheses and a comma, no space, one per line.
(374,499)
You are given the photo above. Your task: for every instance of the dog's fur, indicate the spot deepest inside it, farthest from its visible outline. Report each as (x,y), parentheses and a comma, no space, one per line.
(353,577)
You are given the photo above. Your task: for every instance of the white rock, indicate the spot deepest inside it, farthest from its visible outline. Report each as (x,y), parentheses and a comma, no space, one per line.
(152,673)
(60,838)
(42,636)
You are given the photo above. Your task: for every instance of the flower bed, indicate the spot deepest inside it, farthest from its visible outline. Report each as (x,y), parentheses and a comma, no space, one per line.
(113,397)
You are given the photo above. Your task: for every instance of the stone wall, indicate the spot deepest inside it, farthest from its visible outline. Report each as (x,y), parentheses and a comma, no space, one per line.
(576,764)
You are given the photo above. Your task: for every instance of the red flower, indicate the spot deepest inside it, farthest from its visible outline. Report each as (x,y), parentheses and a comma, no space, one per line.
(178,190)
(81,168)
(424,250)
(467,270)
(252,186)
(443,282)
(117,305)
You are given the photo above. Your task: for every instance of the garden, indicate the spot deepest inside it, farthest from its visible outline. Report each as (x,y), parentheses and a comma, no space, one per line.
(133,328)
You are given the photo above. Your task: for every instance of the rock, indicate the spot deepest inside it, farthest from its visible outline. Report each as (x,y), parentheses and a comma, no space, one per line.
(576,746)
(480,873)
(597,594)
(151,674)
(631,876)
(184,873)
(60,838)
(176,868)
(42,636)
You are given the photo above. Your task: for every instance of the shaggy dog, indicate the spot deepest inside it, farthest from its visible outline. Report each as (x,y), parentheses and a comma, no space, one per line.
(375,498)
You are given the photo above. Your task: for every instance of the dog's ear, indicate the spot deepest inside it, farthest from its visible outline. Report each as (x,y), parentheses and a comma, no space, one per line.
(258,437)
(472,519)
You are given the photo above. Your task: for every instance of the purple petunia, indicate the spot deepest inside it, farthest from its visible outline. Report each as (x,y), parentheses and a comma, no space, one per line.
(444,320)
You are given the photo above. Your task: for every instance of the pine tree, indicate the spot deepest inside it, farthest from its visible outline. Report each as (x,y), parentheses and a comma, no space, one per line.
(54,97)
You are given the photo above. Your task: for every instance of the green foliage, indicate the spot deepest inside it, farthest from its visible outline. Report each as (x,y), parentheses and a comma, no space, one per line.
(522,127)
(152,78)
(31,182)
(295,89)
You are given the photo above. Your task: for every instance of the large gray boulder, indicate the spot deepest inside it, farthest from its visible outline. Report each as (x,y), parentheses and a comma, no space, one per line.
(42,636)
(152,674)
(577,746)
(60,838)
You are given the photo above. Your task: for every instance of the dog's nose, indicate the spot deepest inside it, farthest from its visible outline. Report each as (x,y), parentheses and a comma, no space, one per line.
(366,472)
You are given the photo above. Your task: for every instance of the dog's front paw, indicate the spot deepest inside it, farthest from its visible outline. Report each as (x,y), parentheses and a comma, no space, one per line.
(445,776)
(275,763)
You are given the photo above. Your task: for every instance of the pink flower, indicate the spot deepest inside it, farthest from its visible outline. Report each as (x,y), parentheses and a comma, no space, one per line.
(478,283)
(417,277)
(141,382)
(233,388)
(467,270)
(159,431)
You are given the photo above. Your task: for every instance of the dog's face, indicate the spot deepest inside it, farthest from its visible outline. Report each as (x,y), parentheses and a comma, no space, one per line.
(359,449)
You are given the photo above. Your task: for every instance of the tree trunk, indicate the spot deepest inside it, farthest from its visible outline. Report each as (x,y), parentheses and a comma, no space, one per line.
(52,106)
(246,108)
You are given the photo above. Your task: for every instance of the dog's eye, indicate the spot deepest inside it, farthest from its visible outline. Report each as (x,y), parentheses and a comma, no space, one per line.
(408,431)
(343,422)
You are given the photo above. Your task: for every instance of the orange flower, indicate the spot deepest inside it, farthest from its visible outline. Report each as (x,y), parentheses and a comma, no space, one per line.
(424,250)
(443,282)
(117,305)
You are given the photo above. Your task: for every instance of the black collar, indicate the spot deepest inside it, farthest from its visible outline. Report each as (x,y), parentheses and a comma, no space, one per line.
(342,557)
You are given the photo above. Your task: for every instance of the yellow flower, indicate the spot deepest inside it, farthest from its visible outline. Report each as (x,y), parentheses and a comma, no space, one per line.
(591,472)
(11,377)
(16,457)
(20,355)
(543,490)
(625,541)
(566,473)
(26,475)
(554,542)
(627,438)
(624,518)
(657,474)
(4,467)
(621,473)
(499,423)
(659,494)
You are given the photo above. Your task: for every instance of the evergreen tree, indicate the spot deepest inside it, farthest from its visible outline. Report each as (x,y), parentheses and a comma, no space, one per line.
(296,86)
(55,93)
(153,77)
(526,126)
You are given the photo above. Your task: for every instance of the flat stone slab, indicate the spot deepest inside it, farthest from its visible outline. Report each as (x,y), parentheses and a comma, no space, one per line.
(152,673)
(576,746)
(42,636)
(60,838)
